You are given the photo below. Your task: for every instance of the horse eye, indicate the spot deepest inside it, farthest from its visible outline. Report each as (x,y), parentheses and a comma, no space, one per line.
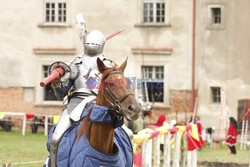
(111,84)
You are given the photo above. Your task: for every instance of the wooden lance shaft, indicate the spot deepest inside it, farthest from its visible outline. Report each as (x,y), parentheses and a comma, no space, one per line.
(54,75)
(114,34)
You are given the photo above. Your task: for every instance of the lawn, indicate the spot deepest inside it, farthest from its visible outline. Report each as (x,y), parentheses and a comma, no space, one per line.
(222,154)
(17,148)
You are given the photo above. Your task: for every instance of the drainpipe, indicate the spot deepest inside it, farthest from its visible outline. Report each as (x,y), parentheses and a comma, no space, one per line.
(193,56)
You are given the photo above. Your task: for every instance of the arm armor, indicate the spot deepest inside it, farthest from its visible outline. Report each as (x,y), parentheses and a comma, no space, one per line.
(66,81)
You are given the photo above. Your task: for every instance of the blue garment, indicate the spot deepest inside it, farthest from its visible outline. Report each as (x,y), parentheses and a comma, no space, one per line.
(79,153)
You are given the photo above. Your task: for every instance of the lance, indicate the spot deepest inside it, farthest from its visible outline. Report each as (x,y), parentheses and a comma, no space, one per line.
(114,34)
(54,75)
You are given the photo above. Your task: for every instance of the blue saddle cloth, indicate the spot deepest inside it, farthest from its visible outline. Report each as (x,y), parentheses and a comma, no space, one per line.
(79,153)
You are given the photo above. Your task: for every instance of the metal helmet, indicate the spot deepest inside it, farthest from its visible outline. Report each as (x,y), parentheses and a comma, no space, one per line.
(93,43)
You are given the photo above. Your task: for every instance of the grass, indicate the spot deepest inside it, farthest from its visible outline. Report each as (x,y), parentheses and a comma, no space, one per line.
(222,154)
(17,148)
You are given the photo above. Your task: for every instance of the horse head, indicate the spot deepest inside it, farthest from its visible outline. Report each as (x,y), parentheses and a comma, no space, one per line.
(115,93)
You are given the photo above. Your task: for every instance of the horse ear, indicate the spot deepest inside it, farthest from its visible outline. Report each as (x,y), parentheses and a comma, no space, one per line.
(101,66)
(123,66)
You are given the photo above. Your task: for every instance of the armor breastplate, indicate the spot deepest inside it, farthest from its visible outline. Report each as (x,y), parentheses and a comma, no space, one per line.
(87,68)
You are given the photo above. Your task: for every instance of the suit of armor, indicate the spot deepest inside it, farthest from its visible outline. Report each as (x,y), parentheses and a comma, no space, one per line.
(74,84)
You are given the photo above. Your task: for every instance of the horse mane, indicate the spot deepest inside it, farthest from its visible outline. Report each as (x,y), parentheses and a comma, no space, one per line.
(85,127)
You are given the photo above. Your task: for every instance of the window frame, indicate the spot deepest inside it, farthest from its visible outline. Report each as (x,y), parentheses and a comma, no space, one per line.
(216,17)
(39,91)
(153,74)
(154,58)
(210,19)
(55,23)
(165,23)
(215,94)
(154,13)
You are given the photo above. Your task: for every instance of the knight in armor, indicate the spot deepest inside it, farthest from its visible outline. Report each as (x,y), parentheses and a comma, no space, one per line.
(73,82)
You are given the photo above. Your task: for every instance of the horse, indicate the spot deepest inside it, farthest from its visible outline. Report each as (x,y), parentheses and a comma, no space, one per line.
(99,139)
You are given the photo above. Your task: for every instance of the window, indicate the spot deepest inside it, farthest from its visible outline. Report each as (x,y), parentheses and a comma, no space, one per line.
(216,94)
(55,11)
(153,11)
(48,94)
(216,15)
(154,76)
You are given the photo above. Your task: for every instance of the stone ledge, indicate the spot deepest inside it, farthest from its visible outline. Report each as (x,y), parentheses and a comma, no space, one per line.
(152,51)
(149,25)
(62,51)
(54,25)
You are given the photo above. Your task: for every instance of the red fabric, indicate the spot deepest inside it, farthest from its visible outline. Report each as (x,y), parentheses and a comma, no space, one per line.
(191,144)
(138,159)
(29,116)
(199,127)
(161,120)
(231,135)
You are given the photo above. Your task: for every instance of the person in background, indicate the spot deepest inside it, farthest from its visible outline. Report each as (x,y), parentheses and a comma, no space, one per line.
(200,131)
(231,139)
(210,136)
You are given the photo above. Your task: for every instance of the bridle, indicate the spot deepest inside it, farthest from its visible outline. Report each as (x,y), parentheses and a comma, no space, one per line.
(116,109)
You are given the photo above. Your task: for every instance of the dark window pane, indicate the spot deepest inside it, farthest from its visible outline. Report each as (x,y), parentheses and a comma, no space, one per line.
(53,5)
(148,12)
(216,94)
(64,18)
(147,72)
(60,5)
(158,6)
(64,5)
(151,19)
(47,5)
(216,15)
(155,91)
(151,12)
(159,72)
(158,19)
